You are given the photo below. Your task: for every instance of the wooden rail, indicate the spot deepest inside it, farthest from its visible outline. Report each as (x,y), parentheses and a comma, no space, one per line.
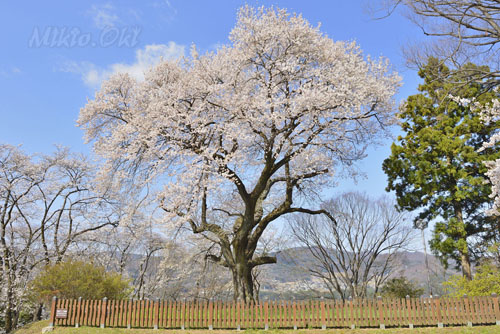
(381,313)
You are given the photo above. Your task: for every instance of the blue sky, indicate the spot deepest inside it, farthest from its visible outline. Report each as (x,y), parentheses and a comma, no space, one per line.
(56,53)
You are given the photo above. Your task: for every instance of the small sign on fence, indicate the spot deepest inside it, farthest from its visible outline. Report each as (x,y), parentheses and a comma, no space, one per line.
(61,313)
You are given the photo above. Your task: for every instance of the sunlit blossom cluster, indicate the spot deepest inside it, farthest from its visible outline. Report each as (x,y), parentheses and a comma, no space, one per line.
(489,112)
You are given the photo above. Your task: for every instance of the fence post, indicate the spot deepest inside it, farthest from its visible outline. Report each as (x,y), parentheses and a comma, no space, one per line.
(437,301)
(183,315)
(129,313)
(408,312)
(294,308)
(467,311)
(351,308)
(496,308)
(323,322)
(238,316)
(380,312)
(103,311)
(155,313)
(78,307)
(266,316)
(210,315)
(53,312)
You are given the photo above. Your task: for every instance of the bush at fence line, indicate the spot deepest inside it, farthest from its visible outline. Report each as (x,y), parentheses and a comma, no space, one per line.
(400,287)
(485,282)
(73,279)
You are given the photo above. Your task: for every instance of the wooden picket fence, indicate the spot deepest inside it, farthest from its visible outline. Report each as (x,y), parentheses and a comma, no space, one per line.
(379,312)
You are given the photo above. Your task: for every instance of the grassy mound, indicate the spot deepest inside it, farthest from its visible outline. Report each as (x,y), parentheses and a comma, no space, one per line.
(32,328)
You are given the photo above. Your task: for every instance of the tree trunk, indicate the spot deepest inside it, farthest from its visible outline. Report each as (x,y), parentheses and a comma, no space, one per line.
(243,282)
(6,271)
(15,318)
(37,315)
(9,313)
(8,320)
(464,253)
(466,268)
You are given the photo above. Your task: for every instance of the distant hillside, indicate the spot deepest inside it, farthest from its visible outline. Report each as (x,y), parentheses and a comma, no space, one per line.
(290,276)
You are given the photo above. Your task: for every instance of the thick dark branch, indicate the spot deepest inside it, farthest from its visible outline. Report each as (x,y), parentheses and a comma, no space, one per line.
(218,260)
(223,168)
(230,214)
(261,260)
(204,226)
(313,212)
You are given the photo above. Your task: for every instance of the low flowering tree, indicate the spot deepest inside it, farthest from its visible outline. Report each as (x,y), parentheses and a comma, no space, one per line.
(244,135)
(47,205)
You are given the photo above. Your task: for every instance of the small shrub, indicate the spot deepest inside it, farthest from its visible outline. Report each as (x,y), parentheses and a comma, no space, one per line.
(485,282)
(400,287)
(73,279)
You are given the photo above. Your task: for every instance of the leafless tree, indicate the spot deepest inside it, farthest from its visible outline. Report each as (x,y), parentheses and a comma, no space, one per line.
(356,249)
(465,31)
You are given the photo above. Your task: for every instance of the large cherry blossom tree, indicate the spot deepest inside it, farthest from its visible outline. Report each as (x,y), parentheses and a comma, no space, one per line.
(239,137)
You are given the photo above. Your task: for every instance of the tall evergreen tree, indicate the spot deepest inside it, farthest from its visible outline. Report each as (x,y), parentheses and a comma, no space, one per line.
(435,167)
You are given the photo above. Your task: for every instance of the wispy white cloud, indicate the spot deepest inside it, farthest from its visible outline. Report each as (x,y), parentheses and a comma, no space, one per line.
(93,75)
(164,4)
(135,14)
(103,15)
(166,10)
(9,72)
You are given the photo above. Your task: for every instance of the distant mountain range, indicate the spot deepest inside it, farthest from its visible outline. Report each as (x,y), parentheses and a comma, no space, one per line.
(290,277)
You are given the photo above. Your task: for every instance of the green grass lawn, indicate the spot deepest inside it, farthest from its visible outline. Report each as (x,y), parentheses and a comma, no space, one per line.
(36,328)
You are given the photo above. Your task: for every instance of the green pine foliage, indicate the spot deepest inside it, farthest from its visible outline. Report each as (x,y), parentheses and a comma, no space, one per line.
(73,279)
(400,287)
(435,166)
